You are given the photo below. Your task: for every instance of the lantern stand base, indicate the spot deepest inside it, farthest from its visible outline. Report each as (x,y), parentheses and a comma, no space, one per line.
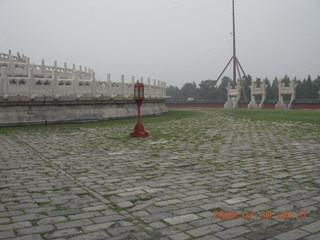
(139,131)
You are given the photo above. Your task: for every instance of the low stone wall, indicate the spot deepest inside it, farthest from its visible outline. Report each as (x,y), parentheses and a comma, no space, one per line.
(44,110)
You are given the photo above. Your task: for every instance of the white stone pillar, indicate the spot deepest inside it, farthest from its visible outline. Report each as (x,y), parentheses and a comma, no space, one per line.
(94,84)
(132,85)
(109,84)
(154,87)
(28,63)
(75,82)
(65,70)
(122,86)
(31,84)
(54,81)
(80,72)
(43,68)
(10,69)
(147,93)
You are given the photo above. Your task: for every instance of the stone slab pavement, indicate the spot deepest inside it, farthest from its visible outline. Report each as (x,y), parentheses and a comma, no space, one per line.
(94,182)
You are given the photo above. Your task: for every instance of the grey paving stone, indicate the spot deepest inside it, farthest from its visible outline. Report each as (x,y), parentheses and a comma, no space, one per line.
(62,233)
(5,220)
(6,234)
(312,228)
(91,236)
(313,237)
(293,234)
(64,212)
(232,232)
(179,236)
(29,237)
(175,229)
(27,217)
(210,206)
(123,230)
(18,225)
(125,204)
(205,230)
(51,220)
(97,227)
(39,229)
(181,219)
(168,202)
(258,201)
(72,224)
(109,218)
(236,200)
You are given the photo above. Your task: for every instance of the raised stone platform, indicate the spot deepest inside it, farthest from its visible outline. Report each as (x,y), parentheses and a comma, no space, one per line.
(46,110)
(41,94)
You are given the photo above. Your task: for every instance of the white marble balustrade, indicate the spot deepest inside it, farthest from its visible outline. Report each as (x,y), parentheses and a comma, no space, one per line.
(20,78)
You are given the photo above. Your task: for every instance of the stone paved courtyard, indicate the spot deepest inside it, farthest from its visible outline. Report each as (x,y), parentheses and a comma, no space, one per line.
(96,183)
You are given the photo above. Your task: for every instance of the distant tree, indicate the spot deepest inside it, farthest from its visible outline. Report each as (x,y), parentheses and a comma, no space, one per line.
(310,92)
(274,88)
(189,90)
(207,91)
(269,92)
(300,89)
(174,92)
(316,85)
(286,80)
(246,91)
(222,89)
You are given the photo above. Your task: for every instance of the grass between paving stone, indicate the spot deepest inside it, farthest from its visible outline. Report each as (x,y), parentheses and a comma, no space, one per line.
(306,116)
(169,116)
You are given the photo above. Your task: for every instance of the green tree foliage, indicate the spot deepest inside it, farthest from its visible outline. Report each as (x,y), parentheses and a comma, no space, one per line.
(269,91)
(246,91)
(306,89)
(174,92)
(222,89)
(207,90)
(189,90)
(274,89)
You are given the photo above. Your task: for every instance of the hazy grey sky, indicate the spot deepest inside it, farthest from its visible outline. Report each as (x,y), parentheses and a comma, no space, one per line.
(176,41)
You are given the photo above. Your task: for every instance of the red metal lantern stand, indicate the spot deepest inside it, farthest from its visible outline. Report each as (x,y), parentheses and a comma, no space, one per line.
(139,97)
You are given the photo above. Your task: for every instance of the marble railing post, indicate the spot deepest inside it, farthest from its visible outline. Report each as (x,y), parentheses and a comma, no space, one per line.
(109,84)
(80,72)
(75,82)
(148,87)
(93,82)
(132,86)
(10,66)
(28,63)
(122,86)
(31,83)
(4,82)
(65,70)
(43,68)
(158,93)
(54,80)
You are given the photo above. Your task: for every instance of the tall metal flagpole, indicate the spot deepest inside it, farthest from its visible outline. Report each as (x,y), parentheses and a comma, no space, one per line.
(236,62)
(234,48)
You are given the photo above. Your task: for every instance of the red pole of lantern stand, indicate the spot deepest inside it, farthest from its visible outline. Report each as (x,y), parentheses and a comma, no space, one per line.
(139,97)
